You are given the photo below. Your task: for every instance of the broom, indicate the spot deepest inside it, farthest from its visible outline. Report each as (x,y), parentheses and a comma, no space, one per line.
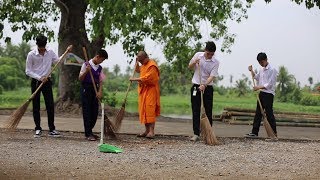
(16,116)
(266,123)
(120,114)
(108,126)
(207,132)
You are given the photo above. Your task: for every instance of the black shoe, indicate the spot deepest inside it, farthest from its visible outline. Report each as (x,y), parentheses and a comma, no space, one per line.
(251,135)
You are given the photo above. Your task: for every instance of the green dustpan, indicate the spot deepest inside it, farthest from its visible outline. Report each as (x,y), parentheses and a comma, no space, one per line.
(107,148)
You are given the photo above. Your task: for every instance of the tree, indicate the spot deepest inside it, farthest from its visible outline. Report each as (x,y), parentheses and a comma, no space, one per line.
(310,79)
(95,23)
(116,69)
(242,86)
(19,52)
(286,83)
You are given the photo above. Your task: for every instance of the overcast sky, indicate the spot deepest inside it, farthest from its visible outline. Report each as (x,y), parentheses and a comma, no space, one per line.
(287,32)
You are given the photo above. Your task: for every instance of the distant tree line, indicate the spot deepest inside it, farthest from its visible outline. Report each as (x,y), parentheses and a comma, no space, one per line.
(174,79)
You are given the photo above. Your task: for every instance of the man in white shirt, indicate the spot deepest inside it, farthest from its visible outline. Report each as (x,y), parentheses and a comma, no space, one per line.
(266,82)
(38,66)
(209,66)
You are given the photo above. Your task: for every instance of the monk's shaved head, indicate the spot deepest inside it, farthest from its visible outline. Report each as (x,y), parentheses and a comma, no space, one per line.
(142,54)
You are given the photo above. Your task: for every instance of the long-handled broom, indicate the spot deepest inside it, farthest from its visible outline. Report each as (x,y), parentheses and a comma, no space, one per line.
(108,126)
(207,132)
(266,123)
(120,114)
(16,116)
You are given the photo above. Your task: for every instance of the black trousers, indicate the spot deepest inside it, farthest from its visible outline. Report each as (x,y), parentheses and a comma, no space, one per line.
(267,104)
(46,90)
(90,108)
(196,106)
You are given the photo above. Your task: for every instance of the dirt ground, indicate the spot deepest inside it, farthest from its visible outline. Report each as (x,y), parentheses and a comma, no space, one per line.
(165,157)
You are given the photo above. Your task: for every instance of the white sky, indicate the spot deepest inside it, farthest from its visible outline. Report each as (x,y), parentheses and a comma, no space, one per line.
(287,32)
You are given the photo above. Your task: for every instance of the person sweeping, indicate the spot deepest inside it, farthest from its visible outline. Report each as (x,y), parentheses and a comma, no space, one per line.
(149,93)
(266,82)
(90,104)
(209,71)
(38,66)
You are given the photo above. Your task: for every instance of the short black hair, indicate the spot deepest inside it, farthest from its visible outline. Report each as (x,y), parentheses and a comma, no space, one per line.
(262,56)
(103,53)
(210,46)
(41,41)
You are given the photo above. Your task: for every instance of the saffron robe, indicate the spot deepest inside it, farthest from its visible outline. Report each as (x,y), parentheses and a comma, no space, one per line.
(149,92)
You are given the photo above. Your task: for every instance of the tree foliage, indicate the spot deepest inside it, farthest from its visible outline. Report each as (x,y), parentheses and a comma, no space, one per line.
(94,23)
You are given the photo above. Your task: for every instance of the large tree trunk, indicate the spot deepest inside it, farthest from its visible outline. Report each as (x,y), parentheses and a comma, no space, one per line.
(72,32)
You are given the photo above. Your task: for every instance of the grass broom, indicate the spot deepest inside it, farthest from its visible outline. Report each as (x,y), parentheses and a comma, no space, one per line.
(207,132)
(266,123)
(108,126)
(14,119)
(120,115)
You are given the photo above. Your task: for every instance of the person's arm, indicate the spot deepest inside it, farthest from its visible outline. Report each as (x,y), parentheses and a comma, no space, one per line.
(137,67)
(195,60)
(100,93)
(29,71)
(84,71)
(270,83)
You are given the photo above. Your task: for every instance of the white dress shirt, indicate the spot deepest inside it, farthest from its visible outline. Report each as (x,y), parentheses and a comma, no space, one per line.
(209,67)
(94,67)
(267,77)
(37,65)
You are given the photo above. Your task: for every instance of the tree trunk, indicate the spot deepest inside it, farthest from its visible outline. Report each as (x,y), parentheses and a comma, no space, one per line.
(72,32)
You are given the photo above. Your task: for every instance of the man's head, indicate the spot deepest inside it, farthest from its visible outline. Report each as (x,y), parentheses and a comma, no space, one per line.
(101,56)
(262,59)
(41,42)
(210,49)
(142,56)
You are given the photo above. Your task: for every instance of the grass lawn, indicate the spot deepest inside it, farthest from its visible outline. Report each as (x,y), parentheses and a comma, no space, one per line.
(171,104)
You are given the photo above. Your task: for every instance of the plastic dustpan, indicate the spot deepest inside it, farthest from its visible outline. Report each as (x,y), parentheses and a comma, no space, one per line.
(107,148)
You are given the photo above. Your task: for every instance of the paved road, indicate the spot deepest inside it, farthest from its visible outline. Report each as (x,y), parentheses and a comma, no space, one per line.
(172,127)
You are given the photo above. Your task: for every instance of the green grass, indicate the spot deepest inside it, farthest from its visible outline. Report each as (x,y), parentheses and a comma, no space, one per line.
(170,104)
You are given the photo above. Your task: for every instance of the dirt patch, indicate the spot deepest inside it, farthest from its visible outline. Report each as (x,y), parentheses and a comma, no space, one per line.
(166,157)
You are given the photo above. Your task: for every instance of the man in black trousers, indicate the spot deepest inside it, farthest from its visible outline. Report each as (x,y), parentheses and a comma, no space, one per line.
(38,66)
(208,65)
(266,82)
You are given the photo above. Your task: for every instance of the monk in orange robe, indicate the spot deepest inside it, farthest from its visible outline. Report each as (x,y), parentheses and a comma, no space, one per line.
(149,93)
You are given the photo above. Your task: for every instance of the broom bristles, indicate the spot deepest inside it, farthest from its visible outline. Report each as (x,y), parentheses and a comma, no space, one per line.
(207,132)
(268,128)
(119,118)
(15,117)
(109,128)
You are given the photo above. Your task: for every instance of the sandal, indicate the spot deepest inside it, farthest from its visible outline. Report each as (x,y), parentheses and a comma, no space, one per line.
(150,137)
(142,135)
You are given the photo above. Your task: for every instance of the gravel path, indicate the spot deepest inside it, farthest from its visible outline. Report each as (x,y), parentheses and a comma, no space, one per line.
(166,157)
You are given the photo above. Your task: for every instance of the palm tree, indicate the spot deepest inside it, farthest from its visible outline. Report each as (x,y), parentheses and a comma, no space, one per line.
(286,82)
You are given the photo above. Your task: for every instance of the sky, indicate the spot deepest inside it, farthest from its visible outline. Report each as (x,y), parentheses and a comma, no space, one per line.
(288,33)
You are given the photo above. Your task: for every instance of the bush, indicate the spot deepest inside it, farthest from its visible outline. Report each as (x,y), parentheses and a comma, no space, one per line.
(309,100)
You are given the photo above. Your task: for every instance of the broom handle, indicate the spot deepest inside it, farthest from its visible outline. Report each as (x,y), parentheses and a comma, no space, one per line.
(54,67)
(254,84)
(134,71)
(201,109)
(87,60)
